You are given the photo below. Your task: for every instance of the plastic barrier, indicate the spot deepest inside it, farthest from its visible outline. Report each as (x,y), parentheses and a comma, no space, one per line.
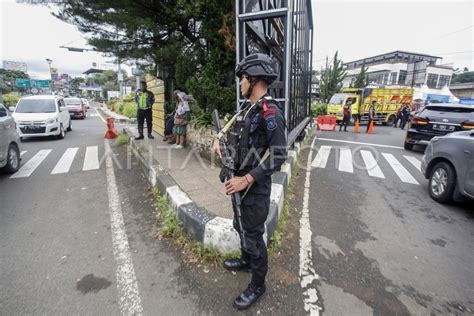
(326,122)
(111,131)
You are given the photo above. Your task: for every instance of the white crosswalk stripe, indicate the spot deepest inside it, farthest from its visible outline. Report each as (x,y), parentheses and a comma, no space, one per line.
(371,164)
(401,172)
(345,160)
(415,162)
(23,152)
(64,164)
(91,160)
(322,157)
(30,166)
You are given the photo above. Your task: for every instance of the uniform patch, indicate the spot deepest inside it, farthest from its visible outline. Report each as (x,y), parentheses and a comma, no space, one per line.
(271,123)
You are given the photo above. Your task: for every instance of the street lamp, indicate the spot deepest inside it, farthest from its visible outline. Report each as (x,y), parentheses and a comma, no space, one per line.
(49,61)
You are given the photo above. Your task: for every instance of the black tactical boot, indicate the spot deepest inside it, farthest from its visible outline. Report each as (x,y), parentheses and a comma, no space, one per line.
(249,296)
(236,264)
(150,136)
(139,137)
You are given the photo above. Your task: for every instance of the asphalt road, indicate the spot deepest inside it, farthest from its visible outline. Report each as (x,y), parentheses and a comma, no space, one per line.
(56,237)
(380,244)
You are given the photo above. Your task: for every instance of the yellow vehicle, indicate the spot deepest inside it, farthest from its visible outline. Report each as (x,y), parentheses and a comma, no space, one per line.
(389,100)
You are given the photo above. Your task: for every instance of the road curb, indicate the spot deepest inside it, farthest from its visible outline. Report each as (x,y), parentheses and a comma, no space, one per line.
(198,222)
(120,119)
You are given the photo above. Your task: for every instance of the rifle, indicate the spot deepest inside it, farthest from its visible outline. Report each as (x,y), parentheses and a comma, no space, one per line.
(229,165)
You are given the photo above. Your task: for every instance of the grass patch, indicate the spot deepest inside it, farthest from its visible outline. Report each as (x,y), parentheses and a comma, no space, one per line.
(172,229)
(122,139)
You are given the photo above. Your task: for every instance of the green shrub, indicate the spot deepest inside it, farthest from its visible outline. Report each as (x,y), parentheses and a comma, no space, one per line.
(319,109)
(202,120)
(129,109)
(10,99)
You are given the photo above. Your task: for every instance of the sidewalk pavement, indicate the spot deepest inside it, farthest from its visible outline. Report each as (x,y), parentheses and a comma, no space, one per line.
(118,118)
(192,186)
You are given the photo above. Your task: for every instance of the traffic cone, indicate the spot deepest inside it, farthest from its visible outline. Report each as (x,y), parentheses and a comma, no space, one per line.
(356,128)
(113,107)
(371,127)
(111,131)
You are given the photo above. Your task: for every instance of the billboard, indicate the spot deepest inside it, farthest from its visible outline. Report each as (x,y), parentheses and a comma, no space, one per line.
(15,65)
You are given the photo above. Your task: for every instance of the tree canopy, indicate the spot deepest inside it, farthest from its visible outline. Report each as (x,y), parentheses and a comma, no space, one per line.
(331,78)
(190,44)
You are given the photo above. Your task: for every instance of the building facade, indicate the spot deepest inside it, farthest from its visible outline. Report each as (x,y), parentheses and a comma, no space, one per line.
(401,68)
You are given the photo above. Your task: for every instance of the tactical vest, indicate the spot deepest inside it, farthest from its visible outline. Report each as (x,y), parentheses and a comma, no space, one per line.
(239,135)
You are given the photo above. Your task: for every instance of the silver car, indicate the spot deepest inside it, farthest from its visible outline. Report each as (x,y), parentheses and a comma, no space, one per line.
(448,164)
(9,142)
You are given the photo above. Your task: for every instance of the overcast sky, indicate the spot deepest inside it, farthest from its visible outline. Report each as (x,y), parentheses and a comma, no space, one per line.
(356,29)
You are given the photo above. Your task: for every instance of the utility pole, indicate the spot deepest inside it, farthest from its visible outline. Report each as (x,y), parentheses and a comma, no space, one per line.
(51,84)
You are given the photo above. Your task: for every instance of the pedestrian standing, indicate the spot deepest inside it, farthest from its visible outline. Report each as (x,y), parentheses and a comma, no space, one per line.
(144,99)
(260,127)
(346,111)
(181,119)
(398,117)
(405,111)
(371,114)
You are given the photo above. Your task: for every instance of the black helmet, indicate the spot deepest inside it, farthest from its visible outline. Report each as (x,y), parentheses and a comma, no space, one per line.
(257,65)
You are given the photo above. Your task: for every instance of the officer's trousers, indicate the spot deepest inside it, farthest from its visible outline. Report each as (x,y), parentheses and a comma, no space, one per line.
(254,211)
(141,116)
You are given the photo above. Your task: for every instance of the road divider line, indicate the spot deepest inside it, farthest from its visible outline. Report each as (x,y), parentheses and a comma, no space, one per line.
(103,120)
(23,152)
(91,160)
(30,166)
(345,160)
(401,172)
(321,157)
(371,165)
(306,270)
(127,286)
(415,162)
(64,164)
(359,143)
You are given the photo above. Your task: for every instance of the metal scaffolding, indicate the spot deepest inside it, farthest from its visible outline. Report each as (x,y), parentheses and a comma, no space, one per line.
(284,30)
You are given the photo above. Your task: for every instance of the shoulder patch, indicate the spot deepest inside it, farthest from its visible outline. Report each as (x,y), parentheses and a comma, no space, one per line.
(271,123)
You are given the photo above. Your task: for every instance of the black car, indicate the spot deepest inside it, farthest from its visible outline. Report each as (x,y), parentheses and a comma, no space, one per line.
(438,120)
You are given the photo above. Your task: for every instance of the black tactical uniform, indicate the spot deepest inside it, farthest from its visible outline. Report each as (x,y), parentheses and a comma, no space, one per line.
(258,141)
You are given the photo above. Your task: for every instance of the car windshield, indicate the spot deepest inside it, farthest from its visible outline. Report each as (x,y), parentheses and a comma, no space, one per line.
(72,102)
(338,98)
(36,106)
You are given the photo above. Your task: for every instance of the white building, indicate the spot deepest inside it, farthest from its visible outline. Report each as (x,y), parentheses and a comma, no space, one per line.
(401,68)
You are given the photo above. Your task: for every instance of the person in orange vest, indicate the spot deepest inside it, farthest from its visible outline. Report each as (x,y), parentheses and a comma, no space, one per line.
(346,111)
(371,114)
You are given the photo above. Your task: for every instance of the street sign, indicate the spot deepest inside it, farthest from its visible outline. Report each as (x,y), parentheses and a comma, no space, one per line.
(120,76)
(40,83)
(23,83)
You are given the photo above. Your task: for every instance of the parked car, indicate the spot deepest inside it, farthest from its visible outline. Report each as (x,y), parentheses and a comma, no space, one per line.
(76,107)
(9,142)
(44,115)
(448,163)
(438,120)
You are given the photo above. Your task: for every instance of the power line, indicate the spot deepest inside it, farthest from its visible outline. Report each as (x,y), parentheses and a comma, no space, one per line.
(457,31)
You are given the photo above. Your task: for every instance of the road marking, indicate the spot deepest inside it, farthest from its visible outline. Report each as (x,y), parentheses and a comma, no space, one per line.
(99,115)
(306,272)
(23,152)
(30,166)
(359,143)
(345,160)
(401,172)
(321,157)
(415,162)
(371,164)
(64,164)
(91,160)
(127,286)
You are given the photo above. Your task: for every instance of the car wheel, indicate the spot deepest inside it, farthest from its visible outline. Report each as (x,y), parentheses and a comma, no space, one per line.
(391,120)
(442,182)
(70,126)
(62,133)
(408,146)
(13,159)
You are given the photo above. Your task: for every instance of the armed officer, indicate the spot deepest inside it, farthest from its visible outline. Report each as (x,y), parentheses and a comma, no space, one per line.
(258,142)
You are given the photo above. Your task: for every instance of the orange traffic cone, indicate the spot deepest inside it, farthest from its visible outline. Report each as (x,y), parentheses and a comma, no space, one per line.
(371,127)
(356,128)
(113,107)
(111,131)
